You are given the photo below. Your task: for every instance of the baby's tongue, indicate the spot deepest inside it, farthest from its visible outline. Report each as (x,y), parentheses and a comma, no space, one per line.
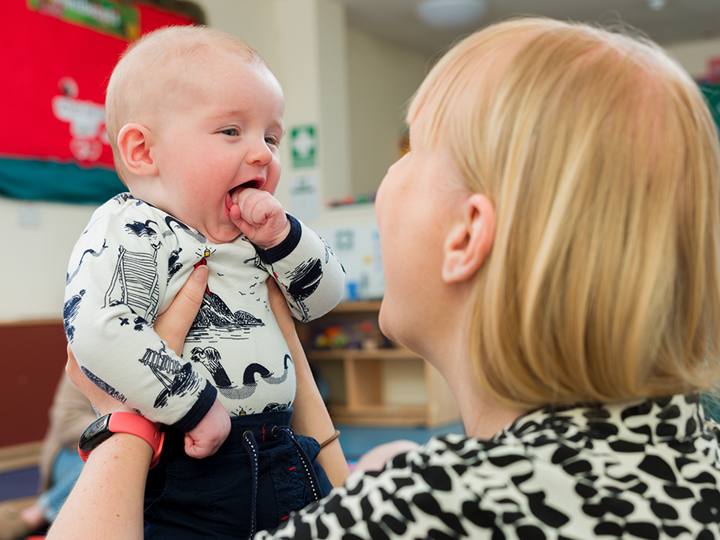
(235,192)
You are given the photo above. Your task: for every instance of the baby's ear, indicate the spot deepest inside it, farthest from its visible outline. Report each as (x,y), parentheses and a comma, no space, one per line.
(135,145)
(469,240)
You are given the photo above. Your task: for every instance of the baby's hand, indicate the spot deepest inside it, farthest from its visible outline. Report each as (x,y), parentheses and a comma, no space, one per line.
(207,437)
(260,216)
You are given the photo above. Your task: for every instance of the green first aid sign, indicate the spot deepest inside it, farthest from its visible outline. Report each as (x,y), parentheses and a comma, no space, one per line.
(304,143)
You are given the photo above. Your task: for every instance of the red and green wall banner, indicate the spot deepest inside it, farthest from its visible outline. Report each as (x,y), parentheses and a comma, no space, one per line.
(58,57)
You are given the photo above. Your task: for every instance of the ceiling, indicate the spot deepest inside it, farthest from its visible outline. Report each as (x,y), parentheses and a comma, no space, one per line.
(679,20)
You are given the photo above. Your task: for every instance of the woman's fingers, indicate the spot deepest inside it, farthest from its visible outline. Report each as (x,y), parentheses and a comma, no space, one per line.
(175,323)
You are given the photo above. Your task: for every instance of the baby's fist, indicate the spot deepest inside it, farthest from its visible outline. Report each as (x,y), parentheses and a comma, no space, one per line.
(207,437)
(260,217)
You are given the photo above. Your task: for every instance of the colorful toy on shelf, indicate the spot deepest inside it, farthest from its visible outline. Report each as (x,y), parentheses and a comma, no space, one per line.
(364,334)
(331,338)
(349,200)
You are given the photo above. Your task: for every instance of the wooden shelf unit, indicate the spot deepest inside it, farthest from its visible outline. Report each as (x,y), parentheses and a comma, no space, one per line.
(360,394)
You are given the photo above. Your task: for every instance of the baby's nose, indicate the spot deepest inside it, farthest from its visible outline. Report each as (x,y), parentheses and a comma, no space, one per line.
(260,153)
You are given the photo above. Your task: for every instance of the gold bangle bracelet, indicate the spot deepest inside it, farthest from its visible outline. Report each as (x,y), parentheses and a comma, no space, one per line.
(330,439)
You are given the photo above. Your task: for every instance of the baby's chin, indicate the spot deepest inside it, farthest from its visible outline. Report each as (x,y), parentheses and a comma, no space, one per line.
(223,234)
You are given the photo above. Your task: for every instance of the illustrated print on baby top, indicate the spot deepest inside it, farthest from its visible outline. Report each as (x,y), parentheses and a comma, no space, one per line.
(127,268)
(176,378)
(114,290)
(135,281)
(216,322)
(298,283)
(210,358)
(216,317)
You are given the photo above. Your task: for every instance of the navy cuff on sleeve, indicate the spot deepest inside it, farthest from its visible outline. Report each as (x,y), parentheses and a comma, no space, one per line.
(284,248)
(204,403)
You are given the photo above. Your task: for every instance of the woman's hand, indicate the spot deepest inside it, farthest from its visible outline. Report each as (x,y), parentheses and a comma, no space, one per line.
(172,326)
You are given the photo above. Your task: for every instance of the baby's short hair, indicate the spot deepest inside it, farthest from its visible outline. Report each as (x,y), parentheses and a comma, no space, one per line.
(603,162)
(142,65)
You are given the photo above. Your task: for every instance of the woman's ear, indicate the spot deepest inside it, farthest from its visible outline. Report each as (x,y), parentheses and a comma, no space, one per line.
(135,145)
(469,241)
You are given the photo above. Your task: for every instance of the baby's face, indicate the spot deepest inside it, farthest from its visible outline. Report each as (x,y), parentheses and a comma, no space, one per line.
(218,131)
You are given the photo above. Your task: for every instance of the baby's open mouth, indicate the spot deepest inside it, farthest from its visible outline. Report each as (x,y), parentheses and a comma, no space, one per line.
(234,192)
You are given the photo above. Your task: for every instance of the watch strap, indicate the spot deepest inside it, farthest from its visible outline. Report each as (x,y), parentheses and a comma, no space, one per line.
(134,424)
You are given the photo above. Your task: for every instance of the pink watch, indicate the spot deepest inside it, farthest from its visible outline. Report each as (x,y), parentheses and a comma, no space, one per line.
(121,422)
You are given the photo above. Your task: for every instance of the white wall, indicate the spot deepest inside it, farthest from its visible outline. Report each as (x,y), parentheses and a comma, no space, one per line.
(382,79)
(333,75)
(250,20)
(693,56)
(39,237)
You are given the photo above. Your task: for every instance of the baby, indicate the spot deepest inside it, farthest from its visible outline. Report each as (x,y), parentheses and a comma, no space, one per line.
(195,118)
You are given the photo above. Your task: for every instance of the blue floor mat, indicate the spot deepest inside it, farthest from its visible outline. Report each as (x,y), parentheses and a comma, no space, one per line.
(356,440)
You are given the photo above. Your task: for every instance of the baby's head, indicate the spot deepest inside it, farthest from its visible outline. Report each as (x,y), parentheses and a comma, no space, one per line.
(147,72)
(602,160)
(193,114)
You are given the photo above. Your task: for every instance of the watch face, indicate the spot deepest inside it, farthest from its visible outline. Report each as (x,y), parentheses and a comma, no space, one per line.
(96,433)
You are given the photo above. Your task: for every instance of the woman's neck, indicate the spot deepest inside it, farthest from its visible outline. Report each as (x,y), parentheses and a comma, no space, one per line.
(482,416)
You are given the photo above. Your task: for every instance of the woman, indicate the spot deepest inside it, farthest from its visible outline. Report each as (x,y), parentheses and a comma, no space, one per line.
(550,244)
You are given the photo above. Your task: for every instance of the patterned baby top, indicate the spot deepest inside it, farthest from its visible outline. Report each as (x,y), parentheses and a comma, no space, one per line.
(647,469)
(126,269)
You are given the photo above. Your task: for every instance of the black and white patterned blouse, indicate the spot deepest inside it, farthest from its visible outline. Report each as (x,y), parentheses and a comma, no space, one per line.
(647,469)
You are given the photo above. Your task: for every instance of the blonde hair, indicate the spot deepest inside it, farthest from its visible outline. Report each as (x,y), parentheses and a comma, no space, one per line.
(602,160)
(140,77)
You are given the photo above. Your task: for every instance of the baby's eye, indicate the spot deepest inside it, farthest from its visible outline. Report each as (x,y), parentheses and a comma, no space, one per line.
(272,140)
(232,132)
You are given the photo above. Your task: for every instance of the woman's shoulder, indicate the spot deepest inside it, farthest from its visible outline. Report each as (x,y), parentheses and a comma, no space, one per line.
(642,468)
(645,469)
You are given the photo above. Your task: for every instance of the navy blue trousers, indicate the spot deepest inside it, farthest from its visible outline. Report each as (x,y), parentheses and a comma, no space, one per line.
(193,499)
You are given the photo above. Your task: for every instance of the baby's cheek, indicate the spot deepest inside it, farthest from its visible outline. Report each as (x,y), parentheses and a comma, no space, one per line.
(269,187)
(273,180)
